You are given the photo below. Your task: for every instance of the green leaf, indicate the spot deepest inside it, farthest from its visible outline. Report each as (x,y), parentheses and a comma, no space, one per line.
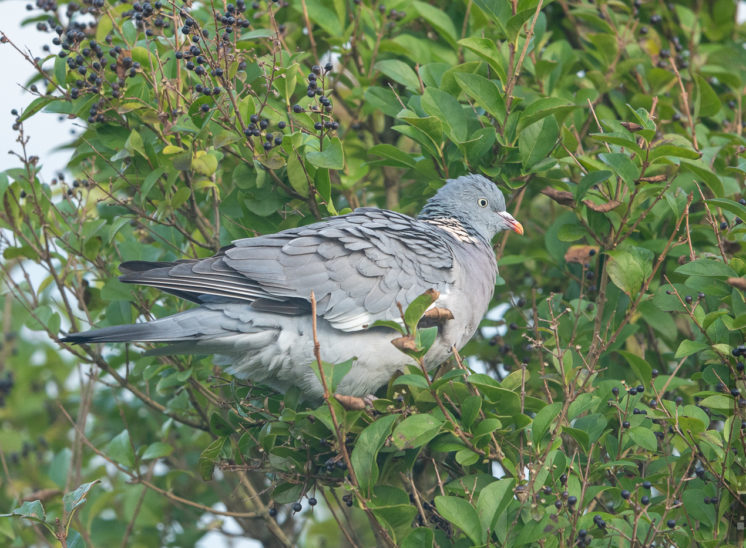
(157,450)
(400,72)
(416,430)
(593,178)
(205,163)
(398,157)
(440,21)
(719,401)
(134,144)
(120,449)
(333,373)
(339,371)
(622,165)
(420,537)
(74,499)
(644,437)
(729,205)
(537,141)
(425,337)
(60,67)
(485,93)
(417,308)
(258,33)
(497,11)
(418,381)
(692,499)
(332,157)
(492,502)
(365,452)
(706,102)
(449,111)
(36,105)
(33,510)
(463,515)
(485,49)
(209,456)
(593,425)
(705,172)
(541,108)
(297,175)
(642,369)
(470,410)
(629,268)
(687,348)
(543,420)
(706,267)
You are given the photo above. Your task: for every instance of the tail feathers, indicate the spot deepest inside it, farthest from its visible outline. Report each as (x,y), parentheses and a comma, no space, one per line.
(186,326)
(140,332)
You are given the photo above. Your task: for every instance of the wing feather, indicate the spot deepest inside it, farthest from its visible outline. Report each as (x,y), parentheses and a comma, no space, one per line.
(358,265)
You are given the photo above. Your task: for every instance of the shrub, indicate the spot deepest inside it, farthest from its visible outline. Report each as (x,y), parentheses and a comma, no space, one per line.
(602,404)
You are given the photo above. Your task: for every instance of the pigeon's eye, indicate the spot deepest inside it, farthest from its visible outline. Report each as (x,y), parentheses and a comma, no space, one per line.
(482,202)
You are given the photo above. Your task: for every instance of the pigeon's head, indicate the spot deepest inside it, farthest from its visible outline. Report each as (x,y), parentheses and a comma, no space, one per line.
(475,202)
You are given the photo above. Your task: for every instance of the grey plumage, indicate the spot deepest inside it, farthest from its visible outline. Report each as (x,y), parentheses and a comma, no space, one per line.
(254,295)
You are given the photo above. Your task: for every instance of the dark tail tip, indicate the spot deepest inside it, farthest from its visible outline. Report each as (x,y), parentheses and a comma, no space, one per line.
(75,338)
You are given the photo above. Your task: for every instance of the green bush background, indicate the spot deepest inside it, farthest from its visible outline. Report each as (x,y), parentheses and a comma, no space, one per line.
(606,411)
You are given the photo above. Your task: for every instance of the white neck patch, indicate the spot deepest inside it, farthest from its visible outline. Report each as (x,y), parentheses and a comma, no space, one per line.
(454,228)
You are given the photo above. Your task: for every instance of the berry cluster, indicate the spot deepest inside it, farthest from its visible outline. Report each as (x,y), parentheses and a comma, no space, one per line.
(258,128)
(6,385)
(316,81)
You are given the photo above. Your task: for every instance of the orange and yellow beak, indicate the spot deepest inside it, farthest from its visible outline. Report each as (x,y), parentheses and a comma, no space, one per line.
(514,225)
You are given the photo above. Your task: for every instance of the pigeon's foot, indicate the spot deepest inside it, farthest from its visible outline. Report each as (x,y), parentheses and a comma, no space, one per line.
(354,403)
(435,316)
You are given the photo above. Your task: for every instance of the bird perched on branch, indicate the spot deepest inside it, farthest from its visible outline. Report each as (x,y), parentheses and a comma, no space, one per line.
(254,296)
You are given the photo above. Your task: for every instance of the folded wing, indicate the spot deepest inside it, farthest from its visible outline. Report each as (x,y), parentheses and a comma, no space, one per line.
(358,266)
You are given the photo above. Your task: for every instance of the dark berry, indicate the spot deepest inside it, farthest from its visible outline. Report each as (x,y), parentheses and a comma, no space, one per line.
(571,500)
(297,108)
(297,507)
(316,69)
(615,390)
(645,500)
(328,67)
(272,512)
(625,424)
(646,485)
(625,494)
(655,19)
(312,501)
(671,523)
(281,125)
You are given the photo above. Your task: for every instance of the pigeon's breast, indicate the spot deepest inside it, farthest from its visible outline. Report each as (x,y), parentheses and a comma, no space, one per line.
(469,297)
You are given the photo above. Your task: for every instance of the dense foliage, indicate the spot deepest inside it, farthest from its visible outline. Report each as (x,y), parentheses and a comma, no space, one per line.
(600,404)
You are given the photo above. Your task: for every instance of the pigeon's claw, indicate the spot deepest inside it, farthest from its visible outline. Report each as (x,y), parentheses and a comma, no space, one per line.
(354,403)
(435,316)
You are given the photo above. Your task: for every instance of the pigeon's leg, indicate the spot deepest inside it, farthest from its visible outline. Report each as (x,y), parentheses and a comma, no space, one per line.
(354,403)
(435,316)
